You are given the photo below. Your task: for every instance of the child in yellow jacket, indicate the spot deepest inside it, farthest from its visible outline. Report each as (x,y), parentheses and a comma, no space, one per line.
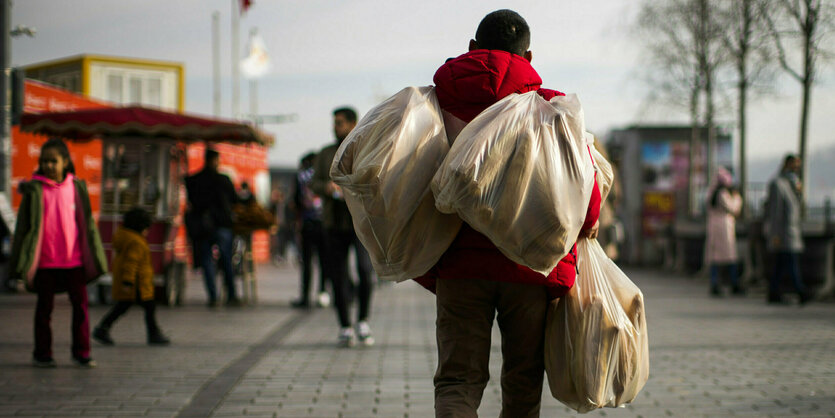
(133,277)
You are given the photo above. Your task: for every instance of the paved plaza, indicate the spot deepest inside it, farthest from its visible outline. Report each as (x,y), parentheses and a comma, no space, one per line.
(708,357)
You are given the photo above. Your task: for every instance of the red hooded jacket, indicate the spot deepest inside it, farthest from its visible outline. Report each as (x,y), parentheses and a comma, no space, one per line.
(465,86)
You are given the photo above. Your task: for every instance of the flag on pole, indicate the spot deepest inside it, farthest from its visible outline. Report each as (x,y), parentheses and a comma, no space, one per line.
(245,5)
(257,63)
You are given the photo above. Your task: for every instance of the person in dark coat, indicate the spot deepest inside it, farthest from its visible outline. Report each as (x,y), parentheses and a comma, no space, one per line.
(209,221)
(340,236)
(312,238)
(784,238)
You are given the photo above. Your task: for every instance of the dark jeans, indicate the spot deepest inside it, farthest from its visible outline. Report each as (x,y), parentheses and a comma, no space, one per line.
(714,274)
(223,237)
(47,282)
(343,287)
(466,311)
(313,242)
(786,263)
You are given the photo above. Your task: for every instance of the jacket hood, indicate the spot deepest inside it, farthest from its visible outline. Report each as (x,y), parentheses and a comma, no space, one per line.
(48,182)
(27,185)
(470,83)
(124,237)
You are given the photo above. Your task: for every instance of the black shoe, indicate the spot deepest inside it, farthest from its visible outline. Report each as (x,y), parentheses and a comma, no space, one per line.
(158,338)
(300,304)
(775,299)
(715,292)
(102,335)
(806,298)
(738,291)
(234,303)
(212,303)
(44,363)
(84,362)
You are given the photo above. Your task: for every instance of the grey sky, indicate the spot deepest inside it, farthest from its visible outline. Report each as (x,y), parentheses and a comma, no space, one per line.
(328,53)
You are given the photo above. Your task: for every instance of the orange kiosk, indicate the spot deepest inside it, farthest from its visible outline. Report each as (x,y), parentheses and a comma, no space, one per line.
(144,160)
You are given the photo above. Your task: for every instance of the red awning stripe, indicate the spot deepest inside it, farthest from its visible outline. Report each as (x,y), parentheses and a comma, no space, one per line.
(143,122)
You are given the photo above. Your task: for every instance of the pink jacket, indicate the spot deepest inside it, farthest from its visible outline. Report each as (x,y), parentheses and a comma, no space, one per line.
(60,247)
(720,245)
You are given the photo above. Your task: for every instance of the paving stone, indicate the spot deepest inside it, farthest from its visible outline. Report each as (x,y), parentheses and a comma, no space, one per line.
(708,357)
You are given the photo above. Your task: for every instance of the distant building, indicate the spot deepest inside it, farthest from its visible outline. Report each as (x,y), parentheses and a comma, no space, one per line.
(116,79)
(653,166)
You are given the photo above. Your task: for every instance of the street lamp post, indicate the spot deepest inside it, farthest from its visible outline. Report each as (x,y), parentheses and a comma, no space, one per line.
(5,97)
(7,32)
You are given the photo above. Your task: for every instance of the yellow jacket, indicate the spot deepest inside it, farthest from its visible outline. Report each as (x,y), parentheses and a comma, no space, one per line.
(132,267)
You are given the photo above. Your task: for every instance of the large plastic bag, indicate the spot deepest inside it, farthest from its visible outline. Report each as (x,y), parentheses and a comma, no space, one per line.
(520,173)
(596,346)
(384,168)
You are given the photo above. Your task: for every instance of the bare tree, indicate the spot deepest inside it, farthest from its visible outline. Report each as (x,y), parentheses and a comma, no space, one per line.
(711,55)
(746,40)
(806,22)
(683,42)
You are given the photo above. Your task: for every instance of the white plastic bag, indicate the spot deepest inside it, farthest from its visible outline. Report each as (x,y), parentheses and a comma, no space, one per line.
(520,173)
(596,346)
(384,168)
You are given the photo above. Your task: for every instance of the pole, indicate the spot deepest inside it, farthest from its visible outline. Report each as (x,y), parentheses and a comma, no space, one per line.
(236,83)
(253,98)
(253,85)
(216,62)
(5,99)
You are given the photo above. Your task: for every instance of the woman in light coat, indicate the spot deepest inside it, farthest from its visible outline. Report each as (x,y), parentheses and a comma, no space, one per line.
(723,206)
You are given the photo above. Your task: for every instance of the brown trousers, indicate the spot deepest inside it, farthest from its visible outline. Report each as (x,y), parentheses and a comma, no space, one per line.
(466,309)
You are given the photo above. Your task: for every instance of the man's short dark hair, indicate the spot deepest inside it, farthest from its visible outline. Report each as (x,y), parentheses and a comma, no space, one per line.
(789,158)
(210,154)
(347,112)
(504,30)
(136,219)
(308,158)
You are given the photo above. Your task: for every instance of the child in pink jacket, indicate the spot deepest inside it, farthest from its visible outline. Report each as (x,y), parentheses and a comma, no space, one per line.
(57,248)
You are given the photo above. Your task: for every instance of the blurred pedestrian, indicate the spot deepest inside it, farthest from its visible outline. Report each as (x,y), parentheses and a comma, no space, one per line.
(781,223)
(209,221)
(287,232)
(276,207)
(284,210)
(340,236)
(57,248)
(312,235)
(133,278)
(245,195)
(474,282)
(723,207)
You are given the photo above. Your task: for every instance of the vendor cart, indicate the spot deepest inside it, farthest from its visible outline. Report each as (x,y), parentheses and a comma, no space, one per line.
(143,164)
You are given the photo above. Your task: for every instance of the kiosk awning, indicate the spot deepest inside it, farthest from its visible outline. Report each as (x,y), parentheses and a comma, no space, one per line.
(138,121)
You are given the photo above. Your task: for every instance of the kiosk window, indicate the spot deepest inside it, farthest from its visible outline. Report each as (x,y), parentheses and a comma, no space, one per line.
(133,176)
